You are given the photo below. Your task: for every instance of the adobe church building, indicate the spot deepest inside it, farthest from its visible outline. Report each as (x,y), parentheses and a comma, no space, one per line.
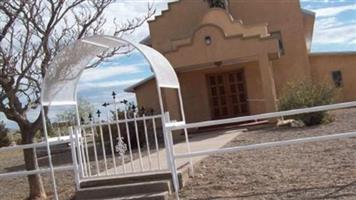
(236,61)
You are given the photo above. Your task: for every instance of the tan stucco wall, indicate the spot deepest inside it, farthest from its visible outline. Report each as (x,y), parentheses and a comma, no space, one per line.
(195,92)
(308,20)
(241,38)
(177,22)
(221,49)
(185,16)
(286,17)
(146,96)
(323,65)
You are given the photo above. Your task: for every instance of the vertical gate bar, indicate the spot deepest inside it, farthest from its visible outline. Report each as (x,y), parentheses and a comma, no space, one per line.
(147,143)
(156,142)
(138,142)
(169,155)
(94,147)
(54,184)
(80,159)
(59,133)
(74,158)
(111,142)
(191,167)
(103,147)
(78,132)
(120,137)
(87,151)
(82,147)
(129,142)
(172,161)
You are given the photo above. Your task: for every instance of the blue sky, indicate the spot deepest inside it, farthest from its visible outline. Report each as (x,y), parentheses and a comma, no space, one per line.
(335,30)
(335,26)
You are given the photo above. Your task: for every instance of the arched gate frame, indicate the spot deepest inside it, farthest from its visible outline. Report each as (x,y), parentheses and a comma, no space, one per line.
(60,84)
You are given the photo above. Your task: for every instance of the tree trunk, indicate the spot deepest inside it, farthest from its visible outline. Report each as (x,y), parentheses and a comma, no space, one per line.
(37,191)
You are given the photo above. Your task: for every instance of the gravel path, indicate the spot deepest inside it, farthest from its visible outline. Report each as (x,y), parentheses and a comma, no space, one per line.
(319,170)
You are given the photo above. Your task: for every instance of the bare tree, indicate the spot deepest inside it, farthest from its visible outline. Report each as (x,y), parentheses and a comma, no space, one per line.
(31,35)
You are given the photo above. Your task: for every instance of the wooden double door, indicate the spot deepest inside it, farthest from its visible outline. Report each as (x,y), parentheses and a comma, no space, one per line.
(227,94)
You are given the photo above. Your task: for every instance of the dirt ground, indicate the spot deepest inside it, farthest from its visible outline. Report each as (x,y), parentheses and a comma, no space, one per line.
(318,170)
(14,188)
(17,188)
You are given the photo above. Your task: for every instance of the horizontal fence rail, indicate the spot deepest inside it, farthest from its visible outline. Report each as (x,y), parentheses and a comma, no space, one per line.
(121,121)
(33,172)
(181,125)
(170,126)
(268,145)
(34,145)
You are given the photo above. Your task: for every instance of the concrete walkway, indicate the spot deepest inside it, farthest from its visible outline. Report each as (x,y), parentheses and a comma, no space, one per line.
(198,142)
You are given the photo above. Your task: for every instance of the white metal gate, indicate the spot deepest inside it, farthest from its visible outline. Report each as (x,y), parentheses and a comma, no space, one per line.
(131,145)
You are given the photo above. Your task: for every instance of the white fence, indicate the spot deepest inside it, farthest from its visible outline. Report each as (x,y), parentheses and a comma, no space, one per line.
(121,147)
(39,170)
(171,126)
(96,153)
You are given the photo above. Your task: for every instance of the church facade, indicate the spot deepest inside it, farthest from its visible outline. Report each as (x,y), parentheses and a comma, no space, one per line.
(235,61)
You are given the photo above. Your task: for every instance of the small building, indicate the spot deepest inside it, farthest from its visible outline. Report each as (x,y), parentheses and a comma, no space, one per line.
(235,61)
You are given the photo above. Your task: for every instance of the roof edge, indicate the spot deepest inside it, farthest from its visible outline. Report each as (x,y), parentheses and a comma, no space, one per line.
(134,86)
(333,53)
(308,12)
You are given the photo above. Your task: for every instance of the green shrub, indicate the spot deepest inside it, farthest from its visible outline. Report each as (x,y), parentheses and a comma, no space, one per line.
(304,94)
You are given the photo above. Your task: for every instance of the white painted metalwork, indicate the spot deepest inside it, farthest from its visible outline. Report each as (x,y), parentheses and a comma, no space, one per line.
(34,145)
(60,83)
(138,143)
(128,140)
(179,125)
(111,142)
(142,162)
(37,171)
(147,143)
(95,149)
(59,88)
(119,137)
(268,145)
(103,146)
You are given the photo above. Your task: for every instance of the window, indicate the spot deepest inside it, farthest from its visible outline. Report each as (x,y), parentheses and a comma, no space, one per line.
(337,78)
(278,36)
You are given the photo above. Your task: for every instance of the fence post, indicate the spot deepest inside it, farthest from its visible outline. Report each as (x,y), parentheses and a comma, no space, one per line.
(138,142)
(77,144)
(167,135)
(74,159)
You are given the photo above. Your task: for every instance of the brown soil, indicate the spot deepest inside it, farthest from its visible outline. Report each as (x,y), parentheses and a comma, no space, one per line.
(318,170)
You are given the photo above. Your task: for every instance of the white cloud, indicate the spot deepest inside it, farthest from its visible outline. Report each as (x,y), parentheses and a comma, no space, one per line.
(333,11)
(101,73)
(130,9)
(330,31)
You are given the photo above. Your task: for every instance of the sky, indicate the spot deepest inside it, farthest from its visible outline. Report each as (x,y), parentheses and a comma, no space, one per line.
(335,30)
